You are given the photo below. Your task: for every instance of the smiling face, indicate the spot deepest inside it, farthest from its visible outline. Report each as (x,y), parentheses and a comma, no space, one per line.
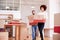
(43,8)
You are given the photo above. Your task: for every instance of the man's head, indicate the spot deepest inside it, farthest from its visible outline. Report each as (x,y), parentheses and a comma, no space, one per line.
(43,8)
(33,12)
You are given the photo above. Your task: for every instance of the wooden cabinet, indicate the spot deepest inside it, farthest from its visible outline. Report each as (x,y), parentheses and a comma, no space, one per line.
(21,32)
(24,33)
(3,35)
(9,29)
(56,36)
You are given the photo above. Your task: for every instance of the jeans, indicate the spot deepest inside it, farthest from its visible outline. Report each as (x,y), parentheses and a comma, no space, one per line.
(34,28)
(40,27)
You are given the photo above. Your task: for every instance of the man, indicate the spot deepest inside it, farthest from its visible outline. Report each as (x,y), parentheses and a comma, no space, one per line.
(34,25)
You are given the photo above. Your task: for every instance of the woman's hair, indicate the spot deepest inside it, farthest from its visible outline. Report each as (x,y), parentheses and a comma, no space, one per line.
(43,6)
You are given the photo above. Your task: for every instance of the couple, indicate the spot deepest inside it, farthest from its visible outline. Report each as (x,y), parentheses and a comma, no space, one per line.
(39,24)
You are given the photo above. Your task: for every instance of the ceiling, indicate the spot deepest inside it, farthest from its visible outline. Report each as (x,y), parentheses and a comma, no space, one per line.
(15,4)
(27,2)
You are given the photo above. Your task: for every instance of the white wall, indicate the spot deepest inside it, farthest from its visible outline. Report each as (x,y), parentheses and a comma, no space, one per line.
(26,9)
(54,7)
(16,14)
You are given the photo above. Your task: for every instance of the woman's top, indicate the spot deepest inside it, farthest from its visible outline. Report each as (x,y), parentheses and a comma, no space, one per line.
(41,17)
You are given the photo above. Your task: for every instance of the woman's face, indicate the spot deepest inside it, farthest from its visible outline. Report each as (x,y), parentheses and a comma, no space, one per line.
(42,9)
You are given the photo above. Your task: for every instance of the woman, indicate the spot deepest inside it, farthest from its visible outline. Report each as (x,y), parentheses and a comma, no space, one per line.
(42,20)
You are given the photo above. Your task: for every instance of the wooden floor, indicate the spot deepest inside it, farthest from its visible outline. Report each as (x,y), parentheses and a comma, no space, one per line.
(46,38)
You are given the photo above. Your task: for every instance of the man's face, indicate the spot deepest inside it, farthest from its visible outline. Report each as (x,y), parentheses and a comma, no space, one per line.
(33,12)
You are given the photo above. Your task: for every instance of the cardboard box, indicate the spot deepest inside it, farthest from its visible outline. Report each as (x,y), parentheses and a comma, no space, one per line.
(56,36)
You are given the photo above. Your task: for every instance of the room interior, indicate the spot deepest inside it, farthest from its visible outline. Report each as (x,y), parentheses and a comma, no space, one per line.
(14,24)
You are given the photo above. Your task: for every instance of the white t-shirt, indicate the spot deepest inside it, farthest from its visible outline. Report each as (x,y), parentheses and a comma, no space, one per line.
(43,15)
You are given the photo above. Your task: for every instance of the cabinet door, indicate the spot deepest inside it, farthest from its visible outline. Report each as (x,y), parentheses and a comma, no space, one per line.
(9,29)
(24,33)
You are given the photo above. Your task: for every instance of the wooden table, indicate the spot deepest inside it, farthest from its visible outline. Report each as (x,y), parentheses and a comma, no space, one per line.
(17,29)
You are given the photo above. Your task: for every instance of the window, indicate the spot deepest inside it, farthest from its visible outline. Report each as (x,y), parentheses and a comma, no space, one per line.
(9,4)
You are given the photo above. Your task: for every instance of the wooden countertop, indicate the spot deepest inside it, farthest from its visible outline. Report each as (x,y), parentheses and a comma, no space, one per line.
(16,24)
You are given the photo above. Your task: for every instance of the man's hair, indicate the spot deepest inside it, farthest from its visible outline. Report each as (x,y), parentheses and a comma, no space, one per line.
(43,6)
(33,10)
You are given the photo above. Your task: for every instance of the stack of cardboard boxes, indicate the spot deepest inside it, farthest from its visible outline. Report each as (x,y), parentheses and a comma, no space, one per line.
(56,35)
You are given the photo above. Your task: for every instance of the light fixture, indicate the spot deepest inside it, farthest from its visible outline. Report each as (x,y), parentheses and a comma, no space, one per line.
(32,7)
(7,7)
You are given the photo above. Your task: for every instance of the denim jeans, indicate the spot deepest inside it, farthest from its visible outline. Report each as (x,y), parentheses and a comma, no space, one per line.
(34,28)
